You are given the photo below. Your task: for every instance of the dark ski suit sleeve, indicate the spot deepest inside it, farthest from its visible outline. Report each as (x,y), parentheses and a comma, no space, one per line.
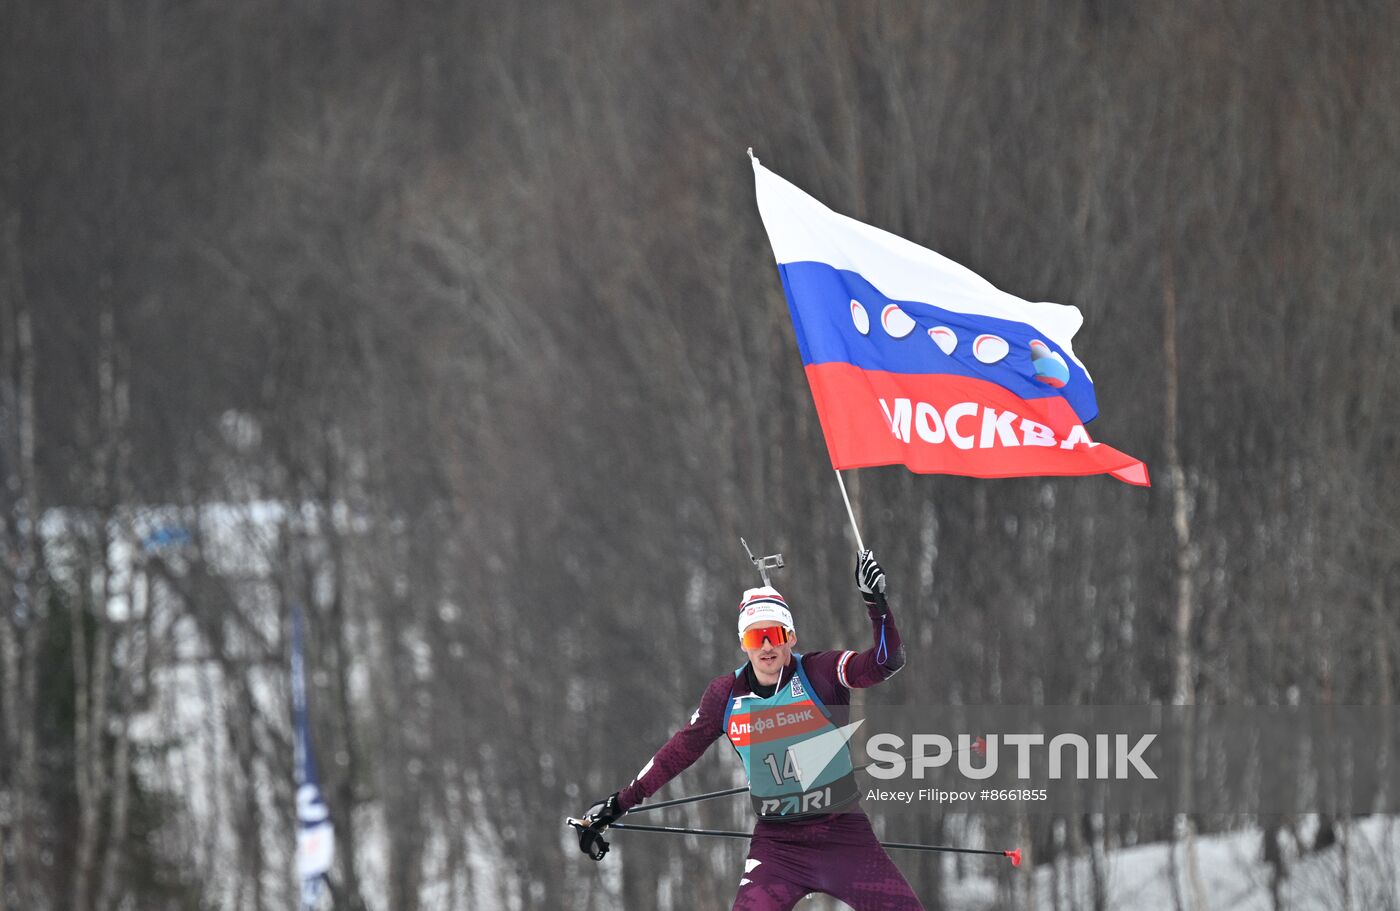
(856,670)
(685,746)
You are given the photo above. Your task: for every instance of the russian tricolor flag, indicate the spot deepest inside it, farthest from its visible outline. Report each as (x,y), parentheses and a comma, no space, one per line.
(915,360)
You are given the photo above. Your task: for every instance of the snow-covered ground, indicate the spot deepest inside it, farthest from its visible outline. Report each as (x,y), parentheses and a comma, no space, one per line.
(1362,872)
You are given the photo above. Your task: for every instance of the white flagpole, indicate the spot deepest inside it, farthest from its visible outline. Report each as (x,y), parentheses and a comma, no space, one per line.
(860,545)
(849,512)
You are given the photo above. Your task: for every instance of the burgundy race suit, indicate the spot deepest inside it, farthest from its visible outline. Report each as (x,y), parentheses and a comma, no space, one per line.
(835,853)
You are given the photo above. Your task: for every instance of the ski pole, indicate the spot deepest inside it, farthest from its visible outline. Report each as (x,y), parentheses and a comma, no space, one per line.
(978,746)
(1014,854)
(684,800)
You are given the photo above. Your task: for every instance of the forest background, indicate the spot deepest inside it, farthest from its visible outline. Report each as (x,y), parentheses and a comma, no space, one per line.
(455,323)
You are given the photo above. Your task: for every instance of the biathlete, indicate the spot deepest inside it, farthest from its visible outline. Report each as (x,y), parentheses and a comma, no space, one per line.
(811,834)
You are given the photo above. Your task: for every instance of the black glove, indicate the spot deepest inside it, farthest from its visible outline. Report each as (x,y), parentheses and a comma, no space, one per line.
(605,812)
(871,579)
(601,815)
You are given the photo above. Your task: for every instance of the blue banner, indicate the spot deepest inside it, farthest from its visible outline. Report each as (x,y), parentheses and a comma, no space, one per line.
(315,834)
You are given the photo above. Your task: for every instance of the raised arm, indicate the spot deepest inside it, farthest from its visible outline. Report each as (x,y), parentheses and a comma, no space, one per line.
(885,656)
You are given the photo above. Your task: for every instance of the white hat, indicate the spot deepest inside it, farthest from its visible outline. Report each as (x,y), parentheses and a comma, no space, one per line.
(760,604)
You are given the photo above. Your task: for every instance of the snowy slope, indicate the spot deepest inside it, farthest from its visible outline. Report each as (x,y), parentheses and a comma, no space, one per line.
(1361,872)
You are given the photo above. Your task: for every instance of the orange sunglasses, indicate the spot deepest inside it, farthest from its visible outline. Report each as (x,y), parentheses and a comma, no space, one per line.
(776,634)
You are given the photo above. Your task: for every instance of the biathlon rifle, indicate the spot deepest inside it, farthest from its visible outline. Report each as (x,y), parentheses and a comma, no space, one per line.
(763,564)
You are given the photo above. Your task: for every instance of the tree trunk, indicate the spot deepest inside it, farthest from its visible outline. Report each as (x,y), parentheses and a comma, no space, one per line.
(1273,857)
(1098,860)
(345,832)
(21,626)
(109,887)
(92,672)
(1183,670)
